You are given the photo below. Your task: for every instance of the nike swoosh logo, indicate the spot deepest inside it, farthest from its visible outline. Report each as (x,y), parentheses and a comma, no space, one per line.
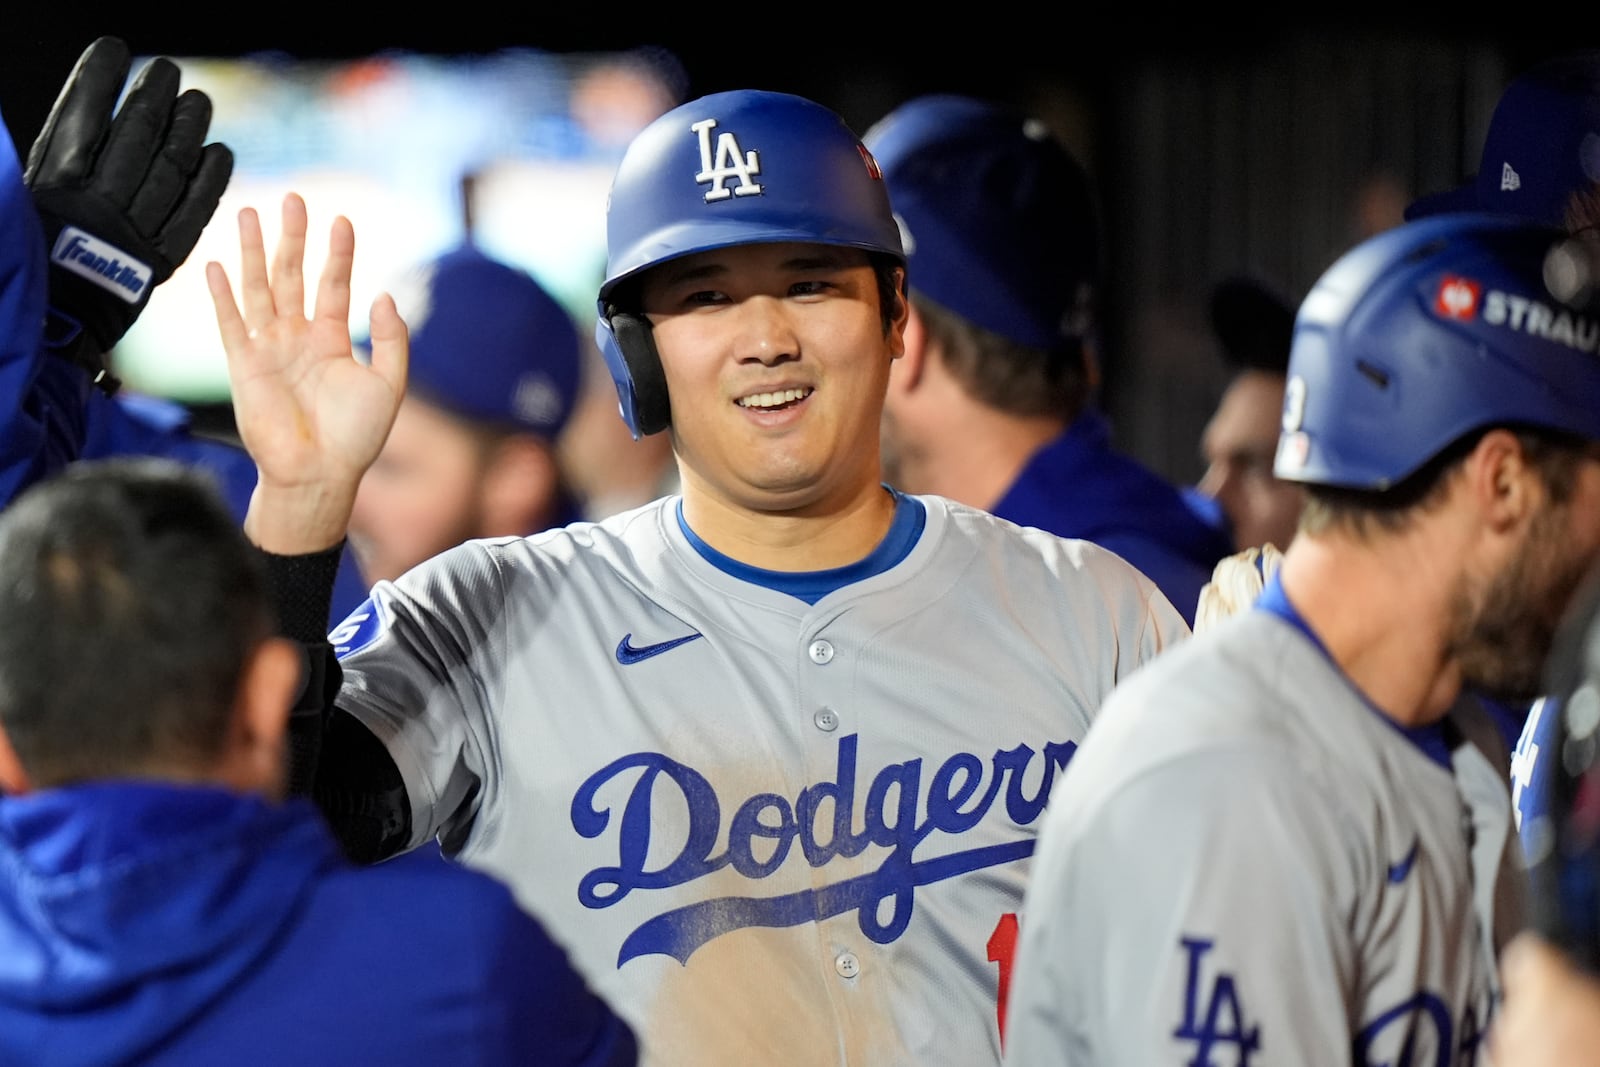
(1398,871)
(628,653)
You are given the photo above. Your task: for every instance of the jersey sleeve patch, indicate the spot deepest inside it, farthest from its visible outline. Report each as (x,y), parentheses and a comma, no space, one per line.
(359,628)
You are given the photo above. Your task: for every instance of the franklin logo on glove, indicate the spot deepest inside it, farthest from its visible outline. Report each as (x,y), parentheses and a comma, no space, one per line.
(88,257)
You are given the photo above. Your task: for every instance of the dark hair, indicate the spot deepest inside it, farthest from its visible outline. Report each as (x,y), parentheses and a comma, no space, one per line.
(130,601)
(1555,455)
(1003,373)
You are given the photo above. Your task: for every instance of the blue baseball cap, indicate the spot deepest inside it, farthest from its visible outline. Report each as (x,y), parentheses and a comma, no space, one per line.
(998,219)
(1543,145)
(489,343)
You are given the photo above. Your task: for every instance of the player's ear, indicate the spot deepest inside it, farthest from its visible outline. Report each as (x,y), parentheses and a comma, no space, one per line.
(14,778)
(897,313)
(256,759)
(906,374)
(1501,480)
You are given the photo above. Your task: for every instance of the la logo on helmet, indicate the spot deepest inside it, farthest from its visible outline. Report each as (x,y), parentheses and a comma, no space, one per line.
(731,162)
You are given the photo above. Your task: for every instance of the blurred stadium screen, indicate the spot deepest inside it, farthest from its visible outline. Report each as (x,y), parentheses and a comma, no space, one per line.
(514,149)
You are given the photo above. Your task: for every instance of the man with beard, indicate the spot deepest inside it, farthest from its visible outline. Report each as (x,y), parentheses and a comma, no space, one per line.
(1290,838)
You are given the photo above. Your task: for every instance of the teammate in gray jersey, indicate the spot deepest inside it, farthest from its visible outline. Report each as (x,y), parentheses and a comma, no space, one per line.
(1289,840)
(767,756)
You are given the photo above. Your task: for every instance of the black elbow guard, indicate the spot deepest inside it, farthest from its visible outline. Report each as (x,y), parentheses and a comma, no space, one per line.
(320,676)
(360,791)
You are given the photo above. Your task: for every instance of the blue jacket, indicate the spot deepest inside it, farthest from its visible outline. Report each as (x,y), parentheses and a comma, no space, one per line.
(165,924)
(134,424)
(1079,486)
(41,398)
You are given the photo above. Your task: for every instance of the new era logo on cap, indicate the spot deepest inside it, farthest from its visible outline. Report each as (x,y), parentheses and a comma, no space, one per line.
(1542,147)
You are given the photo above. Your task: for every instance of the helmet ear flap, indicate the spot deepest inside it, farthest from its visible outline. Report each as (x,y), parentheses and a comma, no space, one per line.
(636,368)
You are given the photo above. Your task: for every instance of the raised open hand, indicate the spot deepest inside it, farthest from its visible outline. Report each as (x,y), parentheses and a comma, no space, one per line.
(311,415)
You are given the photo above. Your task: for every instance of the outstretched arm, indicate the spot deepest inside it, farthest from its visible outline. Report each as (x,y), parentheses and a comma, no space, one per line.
(313,418)
(113,199)
(41,400)
(311,415)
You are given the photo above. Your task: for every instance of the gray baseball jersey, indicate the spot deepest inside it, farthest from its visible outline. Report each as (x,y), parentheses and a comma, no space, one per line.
(768,831)
(1249,864)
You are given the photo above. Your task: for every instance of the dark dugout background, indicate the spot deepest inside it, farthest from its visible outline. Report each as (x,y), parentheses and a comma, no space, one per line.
(1243,141)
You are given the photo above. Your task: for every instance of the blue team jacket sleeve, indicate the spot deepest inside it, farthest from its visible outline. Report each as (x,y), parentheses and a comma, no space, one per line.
(552,1015)
(41,398)
(135,424)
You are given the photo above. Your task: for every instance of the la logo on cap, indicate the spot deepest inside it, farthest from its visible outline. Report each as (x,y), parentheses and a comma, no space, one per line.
(1509,179)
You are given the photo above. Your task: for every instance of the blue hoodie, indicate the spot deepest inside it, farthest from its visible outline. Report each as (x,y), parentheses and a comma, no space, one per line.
(136,424)
(164,924)
(1079,486)
(41,397)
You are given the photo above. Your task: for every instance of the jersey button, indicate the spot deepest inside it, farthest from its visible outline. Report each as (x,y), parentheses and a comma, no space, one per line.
(820,651)
(826,720)
(847,965)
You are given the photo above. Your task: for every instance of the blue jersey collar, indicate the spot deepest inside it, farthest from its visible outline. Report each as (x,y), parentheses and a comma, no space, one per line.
(1430,739)
(811,586)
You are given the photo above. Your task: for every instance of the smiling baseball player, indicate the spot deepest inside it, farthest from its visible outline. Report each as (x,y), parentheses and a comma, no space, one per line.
(768,756)
(1290,840)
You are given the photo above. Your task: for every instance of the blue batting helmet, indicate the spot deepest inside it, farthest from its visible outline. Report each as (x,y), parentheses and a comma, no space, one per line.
(999,219)
(733,168)
(1428,332)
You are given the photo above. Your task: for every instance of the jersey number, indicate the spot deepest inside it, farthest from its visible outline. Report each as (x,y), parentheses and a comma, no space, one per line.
(1003,950)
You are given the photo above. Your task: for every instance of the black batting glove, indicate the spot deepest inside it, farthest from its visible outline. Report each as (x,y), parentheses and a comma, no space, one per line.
(123,197)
